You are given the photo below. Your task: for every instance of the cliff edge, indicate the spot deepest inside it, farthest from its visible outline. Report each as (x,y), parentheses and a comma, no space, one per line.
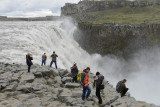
(48,87)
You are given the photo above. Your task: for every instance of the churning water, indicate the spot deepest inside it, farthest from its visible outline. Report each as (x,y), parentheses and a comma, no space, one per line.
(19,38)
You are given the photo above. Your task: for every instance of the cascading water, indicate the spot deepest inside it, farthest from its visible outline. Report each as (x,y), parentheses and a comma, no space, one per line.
(19,38)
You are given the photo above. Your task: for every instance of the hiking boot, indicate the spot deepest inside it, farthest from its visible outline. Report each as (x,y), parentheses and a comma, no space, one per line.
(87,99)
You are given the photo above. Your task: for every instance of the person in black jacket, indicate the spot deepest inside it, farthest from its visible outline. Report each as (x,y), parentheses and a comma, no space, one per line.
(98,82)
(74,71)
(29,59)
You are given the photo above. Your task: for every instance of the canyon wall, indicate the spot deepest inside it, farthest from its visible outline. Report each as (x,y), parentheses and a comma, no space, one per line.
(117,39)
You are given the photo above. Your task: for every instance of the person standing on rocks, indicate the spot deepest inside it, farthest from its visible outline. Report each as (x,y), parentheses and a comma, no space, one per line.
(74,71)
(121,87)
(54,57)
(44,58)
(84,83)
(29,59)
(98,82)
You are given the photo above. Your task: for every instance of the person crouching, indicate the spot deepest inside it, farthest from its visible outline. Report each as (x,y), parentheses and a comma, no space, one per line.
(121,87)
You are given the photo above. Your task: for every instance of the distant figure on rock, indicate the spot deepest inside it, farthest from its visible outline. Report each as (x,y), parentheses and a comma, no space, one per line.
(29,59)
(54,57)
(84,83)
(44,58)
(121,87)
(99,86)
(74,71)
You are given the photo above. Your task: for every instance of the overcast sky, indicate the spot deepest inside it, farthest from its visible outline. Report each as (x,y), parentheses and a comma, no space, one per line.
(32,8)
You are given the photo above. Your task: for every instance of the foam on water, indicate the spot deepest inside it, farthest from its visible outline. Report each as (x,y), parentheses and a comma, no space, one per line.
(19,38)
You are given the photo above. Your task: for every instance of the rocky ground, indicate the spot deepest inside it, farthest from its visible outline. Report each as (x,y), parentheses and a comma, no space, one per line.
(48,87)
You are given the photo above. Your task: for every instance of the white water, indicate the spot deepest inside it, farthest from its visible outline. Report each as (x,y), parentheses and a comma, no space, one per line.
(19,38)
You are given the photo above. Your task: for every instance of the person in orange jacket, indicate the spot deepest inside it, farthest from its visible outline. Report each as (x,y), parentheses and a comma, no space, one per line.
(84,83)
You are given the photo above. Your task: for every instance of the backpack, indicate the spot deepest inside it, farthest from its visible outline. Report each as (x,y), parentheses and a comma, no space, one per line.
(118,85)
(79,76)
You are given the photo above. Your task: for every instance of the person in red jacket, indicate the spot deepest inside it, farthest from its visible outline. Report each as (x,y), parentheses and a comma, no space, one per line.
(84,83)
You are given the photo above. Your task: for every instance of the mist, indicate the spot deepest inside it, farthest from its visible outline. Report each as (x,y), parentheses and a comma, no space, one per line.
(141,71)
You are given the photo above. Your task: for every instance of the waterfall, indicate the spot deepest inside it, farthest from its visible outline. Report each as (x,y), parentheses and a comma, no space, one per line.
(19,38)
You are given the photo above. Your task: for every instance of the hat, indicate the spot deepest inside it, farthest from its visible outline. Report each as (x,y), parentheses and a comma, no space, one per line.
(97,73)
(74,63)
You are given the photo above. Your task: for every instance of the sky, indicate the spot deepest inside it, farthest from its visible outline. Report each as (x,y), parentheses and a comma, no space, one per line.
(32,8)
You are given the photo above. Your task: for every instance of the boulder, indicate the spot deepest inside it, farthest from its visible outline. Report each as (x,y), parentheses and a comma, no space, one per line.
(15,79)
(57,80)
(88,103)
(62,72)
(27,88)
(78,102)
(38,74)
(77,94)
(27,78)
(66,79)
(14,93)
(72,85)
(65,95)
(11,87)
(45,71)
(34,102)
(11,102)
(109,102)
(3,85)
(68,75)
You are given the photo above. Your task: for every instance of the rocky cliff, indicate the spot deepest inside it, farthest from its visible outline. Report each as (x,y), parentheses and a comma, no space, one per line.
(118,39)
(48,87)
(92,6)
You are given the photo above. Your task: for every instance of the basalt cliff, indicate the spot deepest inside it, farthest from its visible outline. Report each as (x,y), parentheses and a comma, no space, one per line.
(118,27)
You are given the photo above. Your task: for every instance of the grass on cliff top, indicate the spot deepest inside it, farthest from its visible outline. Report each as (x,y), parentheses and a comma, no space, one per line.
(150,14)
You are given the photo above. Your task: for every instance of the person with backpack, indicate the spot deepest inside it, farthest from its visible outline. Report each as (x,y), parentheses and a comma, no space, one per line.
(98,82)
(44,58)
(74,71)
(29,59)
(121,87)
(84,83)
(54,57)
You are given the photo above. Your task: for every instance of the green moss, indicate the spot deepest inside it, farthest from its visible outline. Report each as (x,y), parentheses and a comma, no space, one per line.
(149,14)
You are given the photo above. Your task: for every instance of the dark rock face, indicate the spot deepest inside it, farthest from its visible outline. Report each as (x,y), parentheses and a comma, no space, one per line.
(117,39)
